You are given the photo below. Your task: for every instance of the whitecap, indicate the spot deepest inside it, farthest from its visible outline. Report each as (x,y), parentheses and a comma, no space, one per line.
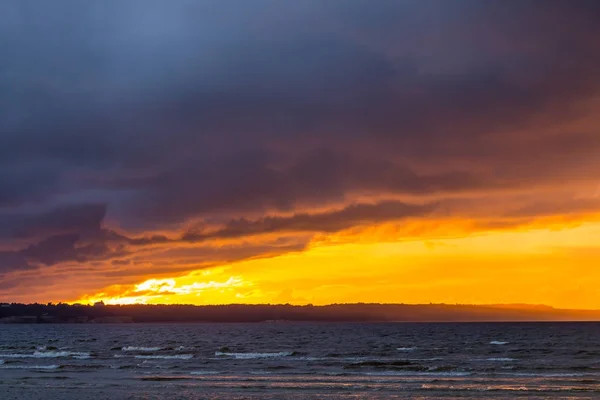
(204,373)
(406,349)
(59,354)
(546,375)
(249,356)
(30,366)
(50,354)
(165,357)
(500,359)
(408,373)
(498,342)
(51,348)
(141,349)
(303,358)
(335,373)
(12,355)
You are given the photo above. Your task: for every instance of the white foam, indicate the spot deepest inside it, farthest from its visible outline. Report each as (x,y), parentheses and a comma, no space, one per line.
(498,342)
(547,375)
(50,354)
(250,356)
(406,349)
(51,348)
(407,373)
(61,354)
(30,367)
(500,359)
(11,355)
(141,349)
(161,357)
(204,373)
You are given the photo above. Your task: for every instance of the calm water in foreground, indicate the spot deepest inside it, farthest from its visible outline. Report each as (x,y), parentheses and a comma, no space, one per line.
(296,361)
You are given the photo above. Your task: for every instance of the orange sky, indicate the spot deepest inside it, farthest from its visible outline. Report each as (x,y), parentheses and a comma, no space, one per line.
(548,262)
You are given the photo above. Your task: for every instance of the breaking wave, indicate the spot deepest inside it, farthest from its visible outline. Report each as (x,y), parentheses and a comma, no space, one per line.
(498,342)
(50,354)
(406,349)
(54,366)
(424,374)
(167,357)
(250,356)
(141,349)
(204,373)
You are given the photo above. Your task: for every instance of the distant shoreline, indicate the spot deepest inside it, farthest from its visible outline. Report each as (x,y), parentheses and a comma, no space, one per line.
(15,313)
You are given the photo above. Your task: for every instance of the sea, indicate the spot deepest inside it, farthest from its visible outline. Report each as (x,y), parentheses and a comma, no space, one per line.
(282,360)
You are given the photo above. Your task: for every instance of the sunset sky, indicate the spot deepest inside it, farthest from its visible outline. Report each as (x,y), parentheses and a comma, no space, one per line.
(266,151)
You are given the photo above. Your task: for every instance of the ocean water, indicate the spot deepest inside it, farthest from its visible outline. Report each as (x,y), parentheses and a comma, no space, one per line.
(300,360)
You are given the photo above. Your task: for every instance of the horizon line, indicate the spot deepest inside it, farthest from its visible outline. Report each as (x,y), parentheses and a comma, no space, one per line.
(483,305)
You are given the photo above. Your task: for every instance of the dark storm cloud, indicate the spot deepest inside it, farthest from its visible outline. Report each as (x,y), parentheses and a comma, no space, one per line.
(164,112)
(74,218)
(13,261)
(25,182)
(254,182)
(331,221)
(98,244)
(557,207)
(70,247)
(67,233)
(181,260)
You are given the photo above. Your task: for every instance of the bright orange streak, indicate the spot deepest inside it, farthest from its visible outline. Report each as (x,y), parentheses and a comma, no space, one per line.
(552,262)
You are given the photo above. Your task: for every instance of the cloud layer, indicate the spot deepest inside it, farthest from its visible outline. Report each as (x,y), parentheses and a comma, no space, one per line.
(127,128)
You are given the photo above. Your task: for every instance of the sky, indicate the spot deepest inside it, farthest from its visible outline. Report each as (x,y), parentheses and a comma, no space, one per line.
(308,152)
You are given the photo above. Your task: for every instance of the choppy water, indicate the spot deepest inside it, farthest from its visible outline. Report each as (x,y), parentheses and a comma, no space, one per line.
(294,360)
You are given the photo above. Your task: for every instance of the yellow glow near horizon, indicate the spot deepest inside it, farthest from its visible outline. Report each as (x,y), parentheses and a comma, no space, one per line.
(540,265)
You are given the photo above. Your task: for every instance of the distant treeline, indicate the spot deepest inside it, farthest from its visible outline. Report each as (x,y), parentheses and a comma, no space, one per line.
(260,313)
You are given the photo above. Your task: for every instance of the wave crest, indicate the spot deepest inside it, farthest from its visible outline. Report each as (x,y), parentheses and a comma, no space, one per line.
(204,373)
(50,354)
(141,349)
(54,366)
(166,357)
(249,356)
